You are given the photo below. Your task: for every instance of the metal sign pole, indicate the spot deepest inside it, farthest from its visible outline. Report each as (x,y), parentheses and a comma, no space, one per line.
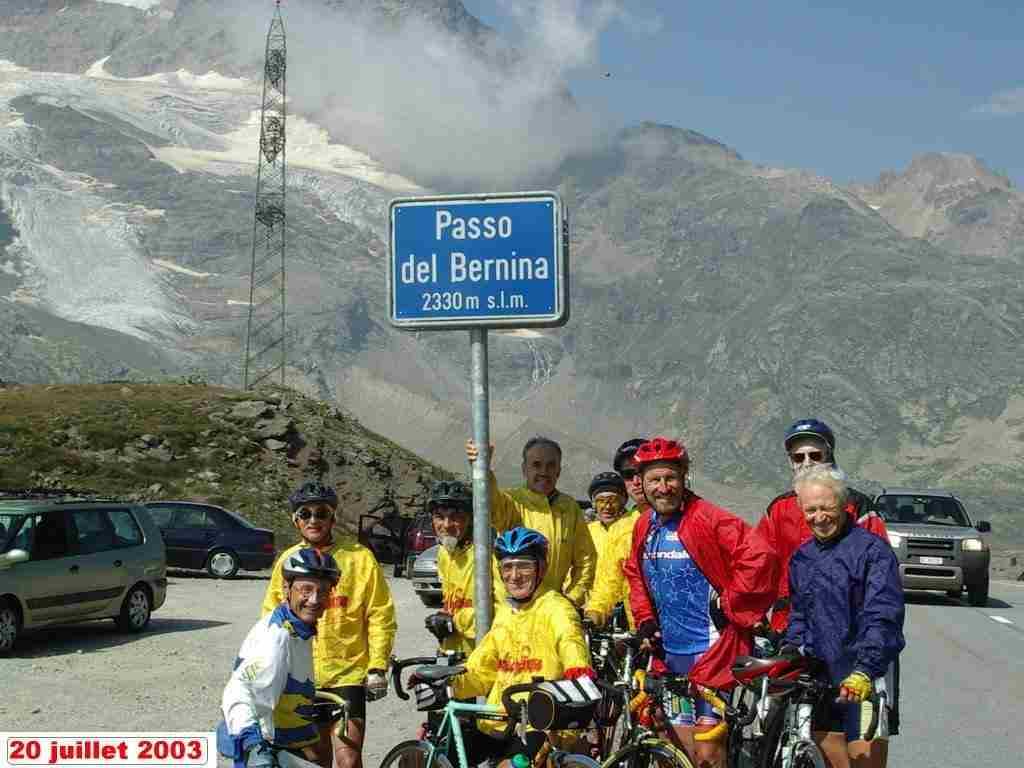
(481,490)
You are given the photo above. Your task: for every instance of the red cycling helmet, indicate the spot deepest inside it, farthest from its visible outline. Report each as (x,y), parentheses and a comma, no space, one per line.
(661,450)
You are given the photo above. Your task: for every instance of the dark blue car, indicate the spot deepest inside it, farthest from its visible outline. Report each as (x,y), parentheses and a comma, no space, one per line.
(210,537)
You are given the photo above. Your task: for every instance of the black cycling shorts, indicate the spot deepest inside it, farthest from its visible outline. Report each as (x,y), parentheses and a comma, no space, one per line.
(849,718)
(355,695)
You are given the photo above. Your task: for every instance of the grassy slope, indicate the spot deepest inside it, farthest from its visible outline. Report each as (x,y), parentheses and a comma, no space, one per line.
(89,437)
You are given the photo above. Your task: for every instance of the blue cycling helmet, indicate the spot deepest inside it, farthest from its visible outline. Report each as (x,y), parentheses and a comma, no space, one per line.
(312,564)
(313,492)
(521,542)
(812,428)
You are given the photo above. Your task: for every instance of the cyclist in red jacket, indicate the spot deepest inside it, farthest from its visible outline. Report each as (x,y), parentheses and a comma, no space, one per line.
(689,558)
(807,442)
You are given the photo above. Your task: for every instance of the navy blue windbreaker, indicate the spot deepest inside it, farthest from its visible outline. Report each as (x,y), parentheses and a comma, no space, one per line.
(847,603)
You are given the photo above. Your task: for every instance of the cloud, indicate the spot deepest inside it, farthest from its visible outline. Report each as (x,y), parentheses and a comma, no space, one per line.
(450,110)
(1004,103)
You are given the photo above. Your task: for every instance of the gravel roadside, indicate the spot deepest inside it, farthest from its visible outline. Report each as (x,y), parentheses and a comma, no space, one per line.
(90,677)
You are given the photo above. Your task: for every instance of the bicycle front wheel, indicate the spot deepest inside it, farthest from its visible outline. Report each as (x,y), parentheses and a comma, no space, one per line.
(807,755)
(414,754)
(649,753)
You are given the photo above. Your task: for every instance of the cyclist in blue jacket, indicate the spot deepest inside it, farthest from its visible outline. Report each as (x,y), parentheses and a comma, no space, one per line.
(847,609)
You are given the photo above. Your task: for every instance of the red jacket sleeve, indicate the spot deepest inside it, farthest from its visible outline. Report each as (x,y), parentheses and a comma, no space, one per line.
(752,584)
(639,598)
(742,566)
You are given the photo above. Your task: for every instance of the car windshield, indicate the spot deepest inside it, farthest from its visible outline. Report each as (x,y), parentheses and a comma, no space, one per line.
(921,510)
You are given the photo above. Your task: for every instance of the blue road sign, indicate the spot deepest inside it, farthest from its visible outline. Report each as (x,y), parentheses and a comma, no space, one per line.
(478,261)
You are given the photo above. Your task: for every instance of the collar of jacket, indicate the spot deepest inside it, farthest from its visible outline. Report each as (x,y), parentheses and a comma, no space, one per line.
(843,533)
(538,593)
(284,614)
(550,499)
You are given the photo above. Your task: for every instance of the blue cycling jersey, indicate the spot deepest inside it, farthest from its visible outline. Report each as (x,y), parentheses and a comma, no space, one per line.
(679,590)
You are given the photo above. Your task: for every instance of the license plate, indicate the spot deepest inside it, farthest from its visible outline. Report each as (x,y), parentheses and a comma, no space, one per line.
(931,561)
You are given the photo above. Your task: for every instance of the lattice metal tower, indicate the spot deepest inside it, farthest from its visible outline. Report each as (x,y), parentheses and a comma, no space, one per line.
(266,350)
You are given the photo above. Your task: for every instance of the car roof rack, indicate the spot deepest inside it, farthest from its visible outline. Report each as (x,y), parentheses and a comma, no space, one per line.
(57,495)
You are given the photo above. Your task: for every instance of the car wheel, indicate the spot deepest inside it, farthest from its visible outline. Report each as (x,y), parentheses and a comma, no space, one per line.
(222,564)
(977,594)
(10,627)
(135,610)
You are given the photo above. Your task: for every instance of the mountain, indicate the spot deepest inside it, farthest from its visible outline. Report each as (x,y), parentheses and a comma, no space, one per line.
(953,201)
(712,298)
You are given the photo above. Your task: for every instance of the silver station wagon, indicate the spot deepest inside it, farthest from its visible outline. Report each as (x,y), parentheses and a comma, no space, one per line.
(71,561)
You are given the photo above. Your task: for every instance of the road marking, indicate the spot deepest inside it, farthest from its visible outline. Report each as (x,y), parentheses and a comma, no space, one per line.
(1001,619)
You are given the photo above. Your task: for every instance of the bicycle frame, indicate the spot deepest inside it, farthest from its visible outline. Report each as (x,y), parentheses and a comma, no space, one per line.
(450,728)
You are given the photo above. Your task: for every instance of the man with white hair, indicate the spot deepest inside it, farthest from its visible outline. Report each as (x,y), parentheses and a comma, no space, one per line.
(808,442)
(847,609)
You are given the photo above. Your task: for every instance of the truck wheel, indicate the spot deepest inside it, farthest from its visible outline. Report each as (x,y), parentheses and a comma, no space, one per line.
(977,594)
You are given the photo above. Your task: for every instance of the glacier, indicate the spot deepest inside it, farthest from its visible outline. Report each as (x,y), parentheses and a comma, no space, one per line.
(81,250)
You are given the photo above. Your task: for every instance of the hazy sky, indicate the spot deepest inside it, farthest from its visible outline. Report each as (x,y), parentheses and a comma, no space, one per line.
(846,89)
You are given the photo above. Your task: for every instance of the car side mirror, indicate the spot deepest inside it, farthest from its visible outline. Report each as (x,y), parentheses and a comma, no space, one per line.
(984,526)
(12,558)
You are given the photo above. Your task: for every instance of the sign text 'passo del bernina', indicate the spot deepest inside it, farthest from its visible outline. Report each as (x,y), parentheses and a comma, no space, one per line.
(494,261)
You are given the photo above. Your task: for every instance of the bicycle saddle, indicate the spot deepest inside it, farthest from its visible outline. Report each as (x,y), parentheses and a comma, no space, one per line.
(434,672)
(747,668)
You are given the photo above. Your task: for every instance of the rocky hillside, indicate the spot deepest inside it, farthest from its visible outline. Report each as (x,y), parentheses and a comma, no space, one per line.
(953,201)
(245,451)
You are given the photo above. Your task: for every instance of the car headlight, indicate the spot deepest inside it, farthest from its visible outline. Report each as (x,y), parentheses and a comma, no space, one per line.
(895,539)
(972,545)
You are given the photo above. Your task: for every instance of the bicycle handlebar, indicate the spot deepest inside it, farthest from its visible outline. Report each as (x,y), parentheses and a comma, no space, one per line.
(398,665)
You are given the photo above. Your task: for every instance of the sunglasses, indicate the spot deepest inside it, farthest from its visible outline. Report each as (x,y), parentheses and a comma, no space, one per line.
(800,458)
(306,514)
(629,474)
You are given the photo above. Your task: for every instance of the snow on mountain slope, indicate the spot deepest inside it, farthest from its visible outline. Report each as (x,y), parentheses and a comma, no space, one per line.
(81,252)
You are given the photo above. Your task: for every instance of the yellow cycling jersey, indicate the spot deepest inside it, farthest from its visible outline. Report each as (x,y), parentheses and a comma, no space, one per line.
(611,586)
(357,630)
(572,559)
(456,571)
(544,639)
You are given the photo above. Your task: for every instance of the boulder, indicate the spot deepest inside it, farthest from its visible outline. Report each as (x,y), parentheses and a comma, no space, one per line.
(278,426)
(249,410)
(274,445)
(161,453)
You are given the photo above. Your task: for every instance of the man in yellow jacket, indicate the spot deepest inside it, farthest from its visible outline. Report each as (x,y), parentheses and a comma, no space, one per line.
(540,506)
(612,534)
(451,511)
(538,634)
(357,630)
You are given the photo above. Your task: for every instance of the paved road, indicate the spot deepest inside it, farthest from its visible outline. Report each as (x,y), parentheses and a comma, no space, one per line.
(963,673)
(963,682)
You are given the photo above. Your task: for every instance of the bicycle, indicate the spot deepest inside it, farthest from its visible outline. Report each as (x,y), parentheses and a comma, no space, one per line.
(441,735)
(643,746)
(787,740)
(338,712)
